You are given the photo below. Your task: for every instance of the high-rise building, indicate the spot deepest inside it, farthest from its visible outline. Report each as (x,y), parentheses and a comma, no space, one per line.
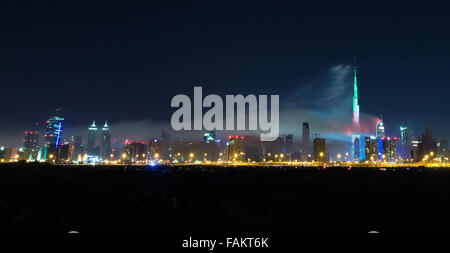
(389,149)
(305,135)
(403,135)
(53,132)
(355,121)
(380,129)
(54,128)
(105,142)
(134,152)
(77,143)
(427,145)
(66,153)
(319,149)
(155,149)
(415,152)
(403,148)
(92,139)
(305,144)
(442,147)
(371,148)
(31,142)
(235,148)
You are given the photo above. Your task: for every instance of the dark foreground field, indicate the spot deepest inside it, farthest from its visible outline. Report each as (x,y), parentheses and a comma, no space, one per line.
(37,197)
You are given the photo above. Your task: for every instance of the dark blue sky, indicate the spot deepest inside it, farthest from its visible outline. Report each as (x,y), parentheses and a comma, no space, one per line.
(125,62)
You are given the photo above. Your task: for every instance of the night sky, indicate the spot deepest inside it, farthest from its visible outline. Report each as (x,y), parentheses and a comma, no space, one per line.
(125,62)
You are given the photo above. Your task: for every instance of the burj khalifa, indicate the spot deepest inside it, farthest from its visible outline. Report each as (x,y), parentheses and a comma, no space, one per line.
(355,122)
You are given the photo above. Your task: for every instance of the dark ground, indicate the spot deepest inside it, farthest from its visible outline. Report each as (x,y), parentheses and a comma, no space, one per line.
(39,197)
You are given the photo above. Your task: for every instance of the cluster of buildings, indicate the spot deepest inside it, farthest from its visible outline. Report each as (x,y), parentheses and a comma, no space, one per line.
(99,149)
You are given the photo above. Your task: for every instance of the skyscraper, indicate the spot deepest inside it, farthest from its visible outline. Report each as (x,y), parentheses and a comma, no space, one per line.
(53,132)
(355,121)
(371,148)
(31,142)
(403,135)
(389,149)
(427,144)
(105,142)
(92,138)
(305,135)
(53,129)
(78,153)
(403,148)
(319,149)
(380,129)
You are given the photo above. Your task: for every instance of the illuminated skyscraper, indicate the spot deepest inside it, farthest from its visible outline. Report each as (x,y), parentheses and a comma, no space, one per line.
(371,148)
(355,121)
(92,138)
(105,142)
(380,129)
(403,149)
(53,132)
(319,149)
(53,129)
(389,149)
(31,142)
(403,135)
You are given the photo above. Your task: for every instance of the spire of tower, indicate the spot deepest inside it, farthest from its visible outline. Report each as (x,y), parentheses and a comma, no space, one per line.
(355,98)
(355,81)
(93,127)
(105,127)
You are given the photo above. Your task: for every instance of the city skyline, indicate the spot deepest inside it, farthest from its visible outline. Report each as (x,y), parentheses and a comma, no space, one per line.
(400,69)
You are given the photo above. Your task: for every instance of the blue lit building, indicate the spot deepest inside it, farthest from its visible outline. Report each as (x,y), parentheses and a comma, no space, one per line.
(53,131)
(54,128)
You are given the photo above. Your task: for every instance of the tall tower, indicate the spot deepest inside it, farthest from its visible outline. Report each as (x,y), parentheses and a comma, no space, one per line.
(305,135)
(380,129)
(403,135)
(53,128)
(31,142)
(105,142)
(355,120)
(92,135)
